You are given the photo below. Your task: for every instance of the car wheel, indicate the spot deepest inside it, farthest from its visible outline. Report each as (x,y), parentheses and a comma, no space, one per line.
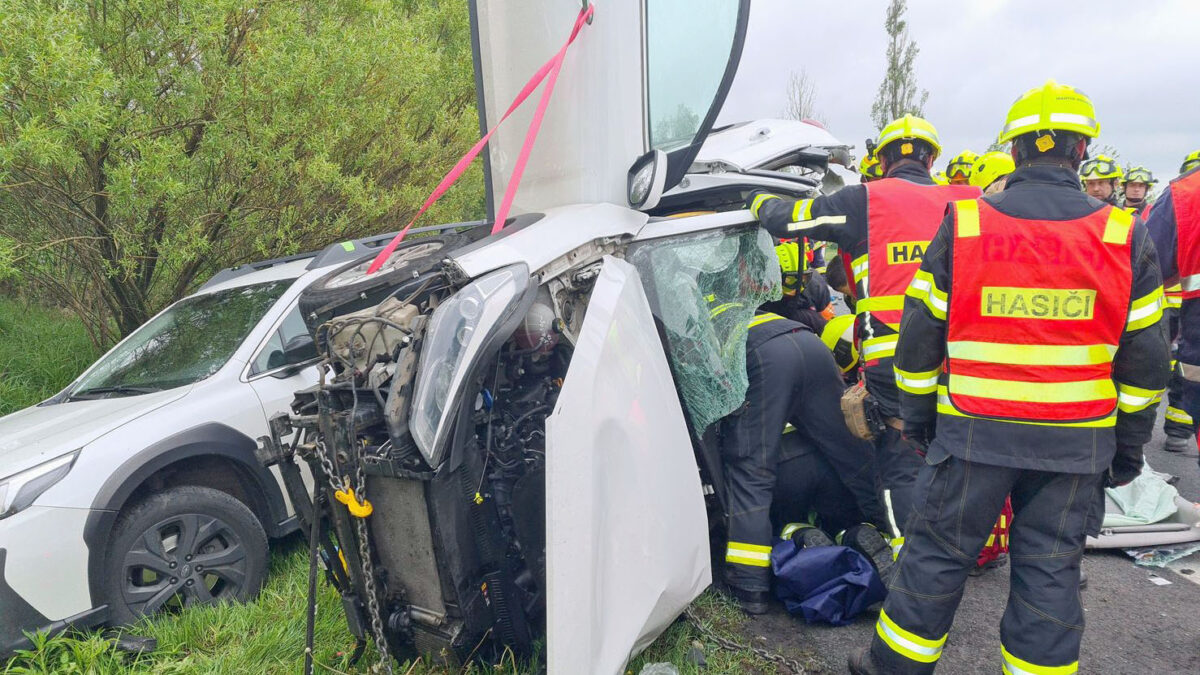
(182,547)
(349,287)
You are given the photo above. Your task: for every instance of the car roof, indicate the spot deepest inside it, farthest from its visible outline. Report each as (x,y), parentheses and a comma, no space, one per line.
(290,269)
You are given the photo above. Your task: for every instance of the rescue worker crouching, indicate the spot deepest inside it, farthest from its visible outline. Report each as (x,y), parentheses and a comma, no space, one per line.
(881,229)
(1174,224)
(1047,393)
(774,478)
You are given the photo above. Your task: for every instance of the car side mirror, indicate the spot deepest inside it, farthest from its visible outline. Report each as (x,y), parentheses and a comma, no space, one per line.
(298,351)
(647,180)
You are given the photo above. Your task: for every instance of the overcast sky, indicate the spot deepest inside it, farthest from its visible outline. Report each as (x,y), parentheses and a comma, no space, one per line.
(1137,60)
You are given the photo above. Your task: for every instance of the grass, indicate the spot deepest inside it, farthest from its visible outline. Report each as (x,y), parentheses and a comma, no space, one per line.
(41,351)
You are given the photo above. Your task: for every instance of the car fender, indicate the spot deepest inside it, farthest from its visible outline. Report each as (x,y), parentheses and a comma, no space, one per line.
(211,439)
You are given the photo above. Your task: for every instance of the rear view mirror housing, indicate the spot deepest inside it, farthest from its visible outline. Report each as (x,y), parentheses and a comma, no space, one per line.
(647,180)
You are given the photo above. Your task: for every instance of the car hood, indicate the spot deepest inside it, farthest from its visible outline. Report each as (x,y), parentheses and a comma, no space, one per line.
(36,434)
(751,144)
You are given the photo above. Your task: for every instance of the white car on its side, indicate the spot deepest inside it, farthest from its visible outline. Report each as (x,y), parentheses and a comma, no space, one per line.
(136,489)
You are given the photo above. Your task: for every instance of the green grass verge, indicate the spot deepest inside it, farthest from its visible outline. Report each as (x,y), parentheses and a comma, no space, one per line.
(41,351)
(267,636)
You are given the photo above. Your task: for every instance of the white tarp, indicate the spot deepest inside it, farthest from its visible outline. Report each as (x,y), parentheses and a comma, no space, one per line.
(626,531)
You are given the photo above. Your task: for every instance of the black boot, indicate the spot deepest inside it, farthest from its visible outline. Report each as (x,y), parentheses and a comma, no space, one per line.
(751,602)
(874,546)
(861,662)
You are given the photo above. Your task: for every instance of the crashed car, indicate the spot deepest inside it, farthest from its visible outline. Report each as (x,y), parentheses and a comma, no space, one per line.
(515,435)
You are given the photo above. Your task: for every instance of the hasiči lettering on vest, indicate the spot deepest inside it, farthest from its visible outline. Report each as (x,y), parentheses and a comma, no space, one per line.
(1069,304)
(902,252)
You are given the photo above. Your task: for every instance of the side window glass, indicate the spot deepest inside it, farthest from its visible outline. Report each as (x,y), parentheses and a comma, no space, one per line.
(289,344)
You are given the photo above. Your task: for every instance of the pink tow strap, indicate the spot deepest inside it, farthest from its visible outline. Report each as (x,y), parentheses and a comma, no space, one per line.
(549,73)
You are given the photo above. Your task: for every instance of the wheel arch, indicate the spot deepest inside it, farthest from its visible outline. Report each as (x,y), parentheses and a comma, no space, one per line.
(210,455)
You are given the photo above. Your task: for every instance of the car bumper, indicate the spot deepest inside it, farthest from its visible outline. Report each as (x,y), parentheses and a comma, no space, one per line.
(43,575)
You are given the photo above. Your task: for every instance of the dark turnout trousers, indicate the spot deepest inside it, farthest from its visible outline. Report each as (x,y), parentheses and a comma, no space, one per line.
(792,379)
(958,502)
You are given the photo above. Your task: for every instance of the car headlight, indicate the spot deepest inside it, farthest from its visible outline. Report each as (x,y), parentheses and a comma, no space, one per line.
(19,490)
(465,326)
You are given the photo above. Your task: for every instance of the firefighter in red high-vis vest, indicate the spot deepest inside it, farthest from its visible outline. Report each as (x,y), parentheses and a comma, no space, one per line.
(1032,353)
(881,229)
(1174,224)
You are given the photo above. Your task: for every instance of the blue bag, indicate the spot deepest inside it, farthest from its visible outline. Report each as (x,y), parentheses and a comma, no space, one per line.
(832,584)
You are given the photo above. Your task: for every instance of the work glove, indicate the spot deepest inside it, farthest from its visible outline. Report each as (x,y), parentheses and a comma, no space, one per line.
(1126,465)
(920,435)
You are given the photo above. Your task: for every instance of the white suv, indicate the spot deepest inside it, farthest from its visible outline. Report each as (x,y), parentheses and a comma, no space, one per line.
(136,489)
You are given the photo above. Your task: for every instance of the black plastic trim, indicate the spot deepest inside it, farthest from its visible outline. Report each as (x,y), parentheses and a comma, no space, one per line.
(249,268)
(205,440)
(359,249)
(481,107)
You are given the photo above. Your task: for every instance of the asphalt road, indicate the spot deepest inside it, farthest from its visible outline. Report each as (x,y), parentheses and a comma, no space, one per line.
(1133,624)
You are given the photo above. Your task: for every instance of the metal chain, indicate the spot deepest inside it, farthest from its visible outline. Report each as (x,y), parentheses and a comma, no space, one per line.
(709,635)
(364,552)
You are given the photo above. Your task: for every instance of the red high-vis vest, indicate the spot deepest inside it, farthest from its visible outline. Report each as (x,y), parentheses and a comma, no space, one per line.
(1037,309)
(901,219)
(1185,195)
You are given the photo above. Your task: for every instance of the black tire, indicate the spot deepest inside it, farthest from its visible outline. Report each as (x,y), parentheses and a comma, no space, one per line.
(181,547)
(348,288)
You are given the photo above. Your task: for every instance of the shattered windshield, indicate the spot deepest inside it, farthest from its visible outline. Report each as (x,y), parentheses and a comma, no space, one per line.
(705,289)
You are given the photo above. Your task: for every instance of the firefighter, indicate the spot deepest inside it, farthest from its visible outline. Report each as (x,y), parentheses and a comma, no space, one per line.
(793,381)
(1101,175)
(905,207)
(806,298)
(958,171)
(1136,186)
(1044,306)
(1174,224)
(991,171)
(868,169)
(1190,162)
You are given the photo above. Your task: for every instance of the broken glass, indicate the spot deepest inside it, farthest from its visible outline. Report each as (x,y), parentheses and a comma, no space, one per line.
(705,288)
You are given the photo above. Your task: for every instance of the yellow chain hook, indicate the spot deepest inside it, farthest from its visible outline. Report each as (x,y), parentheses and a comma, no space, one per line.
(357,509)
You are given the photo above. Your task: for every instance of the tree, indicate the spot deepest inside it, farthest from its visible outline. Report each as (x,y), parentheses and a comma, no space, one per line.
(145,144)
(801,97)
(898,94)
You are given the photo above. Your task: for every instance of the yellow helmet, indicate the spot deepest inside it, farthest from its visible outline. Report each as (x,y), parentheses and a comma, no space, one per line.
(1139,174)
(1190,162)
(1052,106)
(793,262)
(907,128)
(870,168)
(962,163)
(838,336)
(990,167)
(940,178)
(1100,167)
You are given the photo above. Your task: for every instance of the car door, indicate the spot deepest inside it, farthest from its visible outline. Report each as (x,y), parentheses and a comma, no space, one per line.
(275,383)
(626,529)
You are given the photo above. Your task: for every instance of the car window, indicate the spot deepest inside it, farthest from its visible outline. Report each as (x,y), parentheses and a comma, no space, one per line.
(292,332)
(187,343)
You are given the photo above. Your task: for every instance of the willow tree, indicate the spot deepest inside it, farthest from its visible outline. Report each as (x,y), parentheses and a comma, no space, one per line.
(144,144)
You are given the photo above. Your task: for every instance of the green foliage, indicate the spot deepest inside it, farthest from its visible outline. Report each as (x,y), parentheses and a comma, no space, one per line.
(898,94)
(143,145)
(30,369)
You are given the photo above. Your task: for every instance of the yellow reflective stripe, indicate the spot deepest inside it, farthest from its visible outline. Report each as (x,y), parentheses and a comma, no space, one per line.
(880,303)
(719,309)
(944,407)
(924,382)
(1015,666)
(1179,416)
(1116,231)
(897,544)
(1146,310)
(802,210)
(758,202)
(924,288)
(763,318)
(1174,301)
(823,220)
(906,644)
(1034,392)
(859,266)
(790,529)
(880,347)
(1132,399)
(1031,355)
(967,212)
(748,554)
(991,540)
